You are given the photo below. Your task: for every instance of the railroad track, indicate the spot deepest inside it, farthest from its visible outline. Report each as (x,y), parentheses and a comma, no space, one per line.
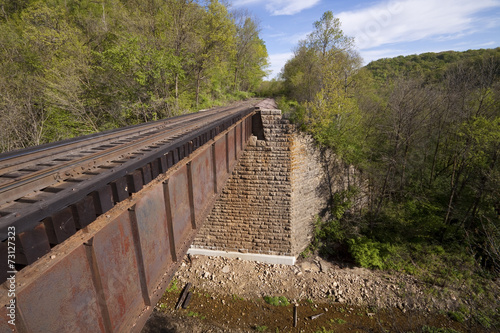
(49,192)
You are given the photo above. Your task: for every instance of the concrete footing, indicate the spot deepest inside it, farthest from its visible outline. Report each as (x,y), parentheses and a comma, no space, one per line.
(266,258)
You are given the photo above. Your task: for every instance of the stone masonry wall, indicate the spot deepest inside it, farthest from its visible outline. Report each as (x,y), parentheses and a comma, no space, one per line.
(254,209)
(309,191)
(270,202)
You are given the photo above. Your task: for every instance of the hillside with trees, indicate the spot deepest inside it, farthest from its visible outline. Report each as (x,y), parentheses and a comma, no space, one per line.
(424,131)
(73,67)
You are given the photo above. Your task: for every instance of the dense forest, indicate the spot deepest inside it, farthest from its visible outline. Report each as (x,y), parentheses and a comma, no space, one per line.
(424,133)
(72,67)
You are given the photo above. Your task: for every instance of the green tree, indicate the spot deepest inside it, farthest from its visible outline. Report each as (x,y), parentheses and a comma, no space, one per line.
(328,36)
(250,59)
(70,67)
(215,45)
(321,76)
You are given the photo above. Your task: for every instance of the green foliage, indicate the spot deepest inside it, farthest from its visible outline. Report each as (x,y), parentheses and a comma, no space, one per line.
(173,286)
(332,232)
(320,77)
(368,253)
(431,329)
(339,321)
(432,125)
(277,300)
(195,315)
(69,68)
(457,316)
(273,88)
(324,330)
(425,132)
(259,328)
(431,66)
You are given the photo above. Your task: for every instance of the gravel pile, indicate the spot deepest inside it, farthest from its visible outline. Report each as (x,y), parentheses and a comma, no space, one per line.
(314,279)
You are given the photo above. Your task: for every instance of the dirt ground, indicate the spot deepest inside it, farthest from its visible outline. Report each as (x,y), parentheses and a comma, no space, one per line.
(228,296)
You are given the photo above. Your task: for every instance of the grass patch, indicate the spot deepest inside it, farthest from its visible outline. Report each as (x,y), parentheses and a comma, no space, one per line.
(431,329)
(262,328)
(195,315)
(172,286)
(324,330)
(338,321)
(277,300)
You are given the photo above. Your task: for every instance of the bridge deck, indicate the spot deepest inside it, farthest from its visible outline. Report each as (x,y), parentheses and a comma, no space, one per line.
(108,275)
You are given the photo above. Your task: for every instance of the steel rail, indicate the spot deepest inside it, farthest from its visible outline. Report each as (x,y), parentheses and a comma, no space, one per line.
(19,159)
(30,215)
(37,180)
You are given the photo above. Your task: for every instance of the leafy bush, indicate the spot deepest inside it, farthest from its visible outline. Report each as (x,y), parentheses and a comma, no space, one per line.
(368,253)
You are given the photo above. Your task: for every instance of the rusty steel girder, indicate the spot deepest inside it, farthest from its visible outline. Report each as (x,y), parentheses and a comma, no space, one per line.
(55,210)
(108,276)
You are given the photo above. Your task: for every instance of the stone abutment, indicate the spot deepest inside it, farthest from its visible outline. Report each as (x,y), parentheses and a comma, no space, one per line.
(267,209)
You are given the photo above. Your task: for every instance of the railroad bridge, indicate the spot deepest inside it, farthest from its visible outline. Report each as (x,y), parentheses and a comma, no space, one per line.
(94,228)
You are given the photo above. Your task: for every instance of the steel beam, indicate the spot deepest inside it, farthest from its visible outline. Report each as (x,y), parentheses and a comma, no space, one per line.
(108,276)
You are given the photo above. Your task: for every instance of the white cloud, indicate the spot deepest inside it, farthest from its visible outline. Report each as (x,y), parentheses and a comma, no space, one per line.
(369,56)
(292,39)
(277,61)
(280,7)
(488,44)
(289,7)
(410,20)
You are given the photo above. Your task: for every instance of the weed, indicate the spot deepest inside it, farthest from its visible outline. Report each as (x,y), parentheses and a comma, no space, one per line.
(277,300)
(237,298)
(173,286)
(324,330)
(338,321)
(431,329)
(457,316)
(262,328)
(306,253)
(483,319)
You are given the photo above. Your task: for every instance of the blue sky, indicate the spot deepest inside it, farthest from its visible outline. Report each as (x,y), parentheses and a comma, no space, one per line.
(381,29)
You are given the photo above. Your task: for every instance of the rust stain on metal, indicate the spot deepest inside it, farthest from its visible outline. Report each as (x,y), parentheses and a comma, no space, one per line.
(31,245)
(63,299)
(153,234)
(107,276)
(203,180)
(180,206)
(238,139)
(231,147)
(221,167)
(115,257)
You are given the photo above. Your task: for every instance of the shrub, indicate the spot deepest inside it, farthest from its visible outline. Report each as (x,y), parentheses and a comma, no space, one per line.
(367,253)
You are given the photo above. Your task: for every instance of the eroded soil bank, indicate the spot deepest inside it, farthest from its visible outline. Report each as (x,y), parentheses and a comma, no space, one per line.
(228,297)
